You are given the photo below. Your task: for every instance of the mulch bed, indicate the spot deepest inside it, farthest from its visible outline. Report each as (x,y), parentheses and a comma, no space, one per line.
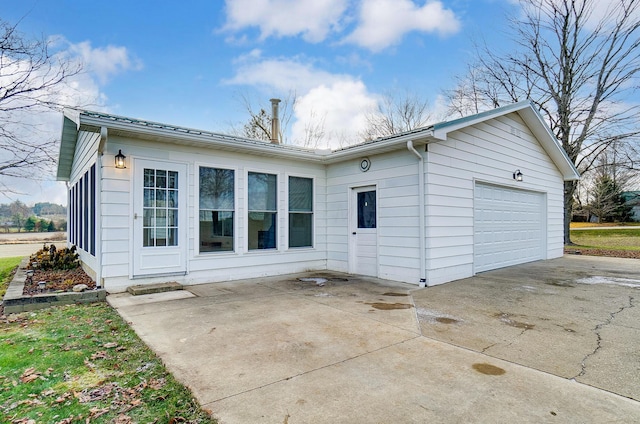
(57,281)
(631,254)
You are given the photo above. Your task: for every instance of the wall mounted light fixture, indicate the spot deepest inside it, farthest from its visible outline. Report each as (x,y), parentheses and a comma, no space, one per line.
(517,175)
(120,160)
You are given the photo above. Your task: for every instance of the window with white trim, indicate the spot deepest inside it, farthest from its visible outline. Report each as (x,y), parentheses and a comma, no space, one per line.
(217,208)
(262,213)
(300,212)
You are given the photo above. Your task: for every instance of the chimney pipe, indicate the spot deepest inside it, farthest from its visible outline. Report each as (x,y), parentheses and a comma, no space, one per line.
(275,122)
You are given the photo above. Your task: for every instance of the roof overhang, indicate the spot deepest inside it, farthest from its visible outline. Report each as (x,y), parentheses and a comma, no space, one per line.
(76,121)
(530,115)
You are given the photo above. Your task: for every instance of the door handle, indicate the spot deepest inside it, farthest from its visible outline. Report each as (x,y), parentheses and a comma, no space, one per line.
(354,233)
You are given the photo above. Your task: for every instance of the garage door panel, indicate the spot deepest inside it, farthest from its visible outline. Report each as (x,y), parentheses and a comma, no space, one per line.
(509,227)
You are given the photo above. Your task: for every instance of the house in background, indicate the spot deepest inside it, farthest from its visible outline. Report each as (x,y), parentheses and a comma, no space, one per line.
(150,202)
(632,199)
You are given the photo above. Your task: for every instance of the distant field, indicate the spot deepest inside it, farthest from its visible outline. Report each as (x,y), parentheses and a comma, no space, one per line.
(605,224)
(622,239)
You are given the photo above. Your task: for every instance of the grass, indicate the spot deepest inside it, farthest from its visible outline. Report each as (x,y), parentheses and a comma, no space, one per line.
(82,363)
(604,224)
(616,239)
(7,266)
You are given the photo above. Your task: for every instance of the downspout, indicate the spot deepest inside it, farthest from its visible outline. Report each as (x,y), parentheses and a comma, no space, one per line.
(421,214)
(104,135)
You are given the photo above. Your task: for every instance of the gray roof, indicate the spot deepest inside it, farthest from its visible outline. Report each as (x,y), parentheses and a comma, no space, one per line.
(82,120)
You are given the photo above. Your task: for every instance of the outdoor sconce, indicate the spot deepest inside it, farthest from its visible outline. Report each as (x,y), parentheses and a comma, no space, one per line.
(120,160)
(517,175)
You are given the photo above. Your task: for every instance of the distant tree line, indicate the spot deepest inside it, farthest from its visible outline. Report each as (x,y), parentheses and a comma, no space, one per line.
(41,217)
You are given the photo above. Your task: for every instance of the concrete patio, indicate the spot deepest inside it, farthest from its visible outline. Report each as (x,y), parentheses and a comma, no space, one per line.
(553,341)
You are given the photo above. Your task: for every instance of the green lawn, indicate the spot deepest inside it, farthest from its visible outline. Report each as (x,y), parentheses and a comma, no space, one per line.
(83,364)
(619,239)
(7,265)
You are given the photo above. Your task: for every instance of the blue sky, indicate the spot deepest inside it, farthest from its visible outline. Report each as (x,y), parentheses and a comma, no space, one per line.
(190,63)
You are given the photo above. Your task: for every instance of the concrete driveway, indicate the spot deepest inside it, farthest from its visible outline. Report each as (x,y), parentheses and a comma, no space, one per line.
(554,341)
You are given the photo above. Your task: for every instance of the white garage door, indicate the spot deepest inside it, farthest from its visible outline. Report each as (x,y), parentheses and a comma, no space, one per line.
(509,227)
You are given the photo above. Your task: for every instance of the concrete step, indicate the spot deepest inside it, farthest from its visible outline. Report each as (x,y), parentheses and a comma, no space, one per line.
(154,288)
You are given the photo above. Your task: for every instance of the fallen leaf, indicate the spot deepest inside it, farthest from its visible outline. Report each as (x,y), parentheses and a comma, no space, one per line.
(31,350)
(29,375)
(157,384)
(110,345)
(96,412)
(136,402)
(123,419)
(99,355)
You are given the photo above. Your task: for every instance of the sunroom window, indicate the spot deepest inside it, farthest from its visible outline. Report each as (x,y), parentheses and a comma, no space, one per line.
(300,212)
(262,213)
(217,208)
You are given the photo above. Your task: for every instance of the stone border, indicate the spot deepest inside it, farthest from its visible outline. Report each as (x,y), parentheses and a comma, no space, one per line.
(15,302)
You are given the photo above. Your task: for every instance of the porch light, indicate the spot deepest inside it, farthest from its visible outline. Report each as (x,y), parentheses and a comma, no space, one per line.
(517,175)
(120,160)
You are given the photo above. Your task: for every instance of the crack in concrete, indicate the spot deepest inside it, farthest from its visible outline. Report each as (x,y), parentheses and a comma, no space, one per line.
(596,330)
(488,347)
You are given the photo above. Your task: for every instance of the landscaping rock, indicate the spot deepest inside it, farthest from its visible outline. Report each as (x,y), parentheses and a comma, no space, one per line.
(80,288)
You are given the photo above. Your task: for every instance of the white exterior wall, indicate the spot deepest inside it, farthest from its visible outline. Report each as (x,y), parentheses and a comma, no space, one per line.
(86,154)
(396,177)
(117,216)
(488,152)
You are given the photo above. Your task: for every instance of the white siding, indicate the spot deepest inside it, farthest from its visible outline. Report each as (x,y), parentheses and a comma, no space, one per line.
(208,267)
(487,152)
(395,175)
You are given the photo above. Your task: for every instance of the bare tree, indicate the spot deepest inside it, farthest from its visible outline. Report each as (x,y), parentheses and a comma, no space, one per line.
(579,67)
(396,113)
(258,127)
(30,76)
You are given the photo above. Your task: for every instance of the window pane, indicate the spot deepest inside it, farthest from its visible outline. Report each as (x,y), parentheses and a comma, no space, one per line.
(161,178)
(300,230)
(149,178)
(262,192)
(148,218)
(172,237)
(161,198)
(262,230)
(147,238)
(367,209)
(216,188)
(172,217)
(216,231)
(173,179)
(161,218)
(172,200)
(300,194)
(149,197)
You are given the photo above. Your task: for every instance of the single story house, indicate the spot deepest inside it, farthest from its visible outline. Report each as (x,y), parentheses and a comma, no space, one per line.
(150,202)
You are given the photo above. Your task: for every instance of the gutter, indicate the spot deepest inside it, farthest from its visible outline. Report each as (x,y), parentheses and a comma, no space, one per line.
(421,214)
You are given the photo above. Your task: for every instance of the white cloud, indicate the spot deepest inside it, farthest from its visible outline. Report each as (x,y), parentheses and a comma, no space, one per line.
(341,106)
(339,100)
(383,23)
(313,19)
(282,74)
(104,62)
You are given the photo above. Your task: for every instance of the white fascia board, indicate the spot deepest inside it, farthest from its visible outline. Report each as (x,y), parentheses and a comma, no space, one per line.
(201,138)
(382,146)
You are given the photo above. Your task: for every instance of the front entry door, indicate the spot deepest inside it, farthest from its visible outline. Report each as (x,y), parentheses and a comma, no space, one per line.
(159,218)
(363,255)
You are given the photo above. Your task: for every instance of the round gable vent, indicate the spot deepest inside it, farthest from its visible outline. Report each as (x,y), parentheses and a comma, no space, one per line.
(365,164)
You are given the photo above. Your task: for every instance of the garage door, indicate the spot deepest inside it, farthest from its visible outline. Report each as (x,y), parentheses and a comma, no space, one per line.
(509,227)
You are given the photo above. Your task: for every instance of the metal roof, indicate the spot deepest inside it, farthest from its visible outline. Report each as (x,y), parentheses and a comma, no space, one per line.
(76,120)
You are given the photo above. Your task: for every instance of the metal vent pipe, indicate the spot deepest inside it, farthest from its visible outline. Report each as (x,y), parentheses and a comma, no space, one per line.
(275,121)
